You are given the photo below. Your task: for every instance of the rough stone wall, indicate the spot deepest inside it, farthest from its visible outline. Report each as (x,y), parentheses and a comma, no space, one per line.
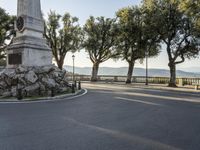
(33,81)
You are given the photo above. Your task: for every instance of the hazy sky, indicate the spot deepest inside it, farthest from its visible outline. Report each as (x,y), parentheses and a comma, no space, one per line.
(83,9)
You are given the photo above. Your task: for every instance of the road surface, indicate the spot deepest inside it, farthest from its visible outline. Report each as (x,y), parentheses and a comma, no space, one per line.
(108,117)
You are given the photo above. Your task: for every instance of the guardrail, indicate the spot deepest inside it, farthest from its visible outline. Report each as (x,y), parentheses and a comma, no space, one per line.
(138,79)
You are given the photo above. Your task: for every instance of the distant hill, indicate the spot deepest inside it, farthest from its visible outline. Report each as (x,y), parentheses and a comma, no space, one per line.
(191,69)
(123,71)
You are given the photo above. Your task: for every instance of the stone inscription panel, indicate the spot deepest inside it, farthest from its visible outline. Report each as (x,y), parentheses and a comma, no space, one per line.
(15,59)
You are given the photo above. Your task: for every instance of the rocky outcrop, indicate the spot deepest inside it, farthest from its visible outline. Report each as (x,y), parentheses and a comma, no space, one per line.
(32,81)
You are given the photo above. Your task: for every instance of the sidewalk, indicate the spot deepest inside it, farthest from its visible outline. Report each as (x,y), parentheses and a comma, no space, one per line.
(151,86)
(165,87)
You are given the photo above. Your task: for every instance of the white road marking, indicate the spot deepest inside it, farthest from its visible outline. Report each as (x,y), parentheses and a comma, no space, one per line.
(160,97)
(138,101)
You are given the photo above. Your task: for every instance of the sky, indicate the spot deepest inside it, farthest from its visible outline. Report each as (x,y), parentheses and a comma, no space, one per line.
(85,8)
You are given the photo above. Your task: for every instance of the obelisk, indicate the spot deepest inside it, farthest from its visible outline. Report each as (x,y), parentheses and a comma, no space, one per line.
(29,47)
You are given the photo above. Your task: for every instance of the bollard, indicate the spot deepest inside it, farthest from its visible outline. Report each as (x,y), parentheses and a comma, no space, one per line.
(196,87)
(19,91)
(75,84)
(19,94)
(73,88)
(52,92)
(79,85)
(39,91)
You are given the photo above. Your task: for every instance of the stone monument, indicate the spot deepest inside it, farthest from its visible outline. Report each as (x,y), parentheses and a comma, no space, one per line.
(29,70)
(29,48)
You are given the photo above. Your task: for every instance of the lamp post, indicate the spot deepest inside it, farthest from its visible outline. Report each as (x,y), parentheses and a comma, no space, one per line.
(73,58)
(147,54)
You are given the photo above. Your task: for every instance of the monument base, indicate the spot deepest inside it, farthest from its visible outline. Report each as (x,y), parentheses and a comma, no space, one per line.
(33,81)
(28,51)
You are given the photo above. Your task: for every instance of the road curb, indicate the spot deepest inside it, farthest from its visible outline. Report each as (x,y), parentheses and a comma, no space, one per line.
(48,99)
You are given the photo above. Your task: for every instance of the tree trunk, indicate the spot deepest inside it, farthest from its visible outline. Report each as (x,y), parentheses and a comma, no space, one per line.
(172,82)
(130,72)
(95,70)
(60,64)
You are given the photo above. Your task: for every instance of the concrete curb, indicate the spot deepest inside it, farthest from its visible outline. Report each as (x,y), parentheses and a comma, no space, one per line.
(47,99)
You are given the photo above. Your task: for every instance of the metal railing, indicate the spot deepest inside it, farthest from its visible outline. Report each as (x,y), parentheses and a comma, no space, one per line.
(138,79)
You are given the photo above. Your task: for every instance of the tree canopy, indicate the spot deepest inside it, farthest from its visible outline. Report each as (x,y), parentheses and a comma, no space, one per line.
(176,29)
(100,35)
(6,31)
(63,38)
(136,38)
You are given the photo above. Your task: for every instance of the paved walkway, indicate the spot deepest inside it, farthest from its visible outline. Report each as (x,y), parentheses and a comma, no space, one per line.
(153,86)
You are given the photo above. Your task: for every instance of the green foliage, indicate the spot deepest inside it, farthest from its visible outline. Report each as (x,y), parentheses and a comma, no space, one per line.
(176,28)
(136,37)
(63,38)
(100,34)
(100,37)
(192,8)
(6,31)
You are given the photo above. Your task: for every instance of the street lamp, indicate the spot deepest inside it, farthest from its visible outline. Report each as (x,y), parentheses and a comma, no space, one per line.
(147,54)
(73,57)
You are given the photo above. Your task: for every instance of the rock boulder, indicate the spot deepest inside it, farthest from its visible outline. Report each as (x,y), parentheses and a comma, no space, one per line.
(32,80)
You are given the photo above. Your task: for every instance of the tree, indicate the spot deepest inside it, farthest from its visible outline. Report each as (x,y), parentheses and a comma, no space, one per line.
(6,32)
(100,34)
(136,39)
(177,31)
(190,7)
(63,39)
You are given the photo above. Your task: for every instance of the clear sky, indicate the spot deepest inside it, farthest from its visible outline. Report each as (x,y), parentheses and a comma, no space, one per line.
(83,9)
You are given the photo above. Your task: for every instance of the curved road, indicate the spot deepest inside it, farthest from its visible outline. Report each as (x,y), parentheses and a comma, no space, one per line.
(108,117)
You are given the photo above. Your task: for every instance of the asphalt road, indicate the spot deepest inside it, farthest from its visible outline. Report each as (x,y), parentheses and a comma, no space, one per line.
(108,117)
